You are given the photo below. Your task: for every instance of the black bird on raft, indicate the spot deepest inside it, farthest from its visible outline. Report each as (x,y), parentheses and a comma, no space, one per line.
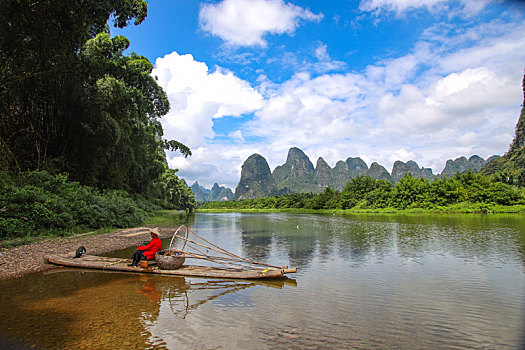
(81,250)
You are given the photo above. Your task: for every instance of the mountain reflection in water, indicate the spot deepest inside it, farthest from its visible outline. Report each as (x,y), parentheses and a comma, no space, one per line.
(304,238)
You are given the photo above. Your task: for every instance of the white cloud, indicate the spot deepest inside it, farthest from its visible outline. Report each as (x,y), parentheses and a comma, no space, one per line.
(399,6)
(211,163)
(324,62)
(464,8)
(468,138)
(457,100)
(402,155)
(198,96)
(503,50)
(391,73)
(321,52)
(237,136)
(245,22)
(310,110)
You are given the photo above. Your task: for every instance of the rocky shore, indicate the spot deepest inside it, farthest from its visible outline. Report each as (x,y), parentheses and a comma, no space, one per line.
(15,262)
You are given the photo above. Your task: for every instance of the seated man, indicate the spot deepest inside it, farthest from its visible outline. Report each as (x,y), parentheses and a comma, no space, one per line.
(148,251)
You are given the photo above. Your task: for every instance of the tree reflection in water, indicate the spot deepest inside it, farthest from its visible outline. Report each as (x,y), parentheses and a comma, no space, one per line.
(297,240)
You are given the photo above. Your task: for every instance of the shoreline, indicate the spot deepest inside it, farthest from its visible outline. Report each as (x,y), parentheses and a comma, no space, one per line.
(18,261)
(485,210)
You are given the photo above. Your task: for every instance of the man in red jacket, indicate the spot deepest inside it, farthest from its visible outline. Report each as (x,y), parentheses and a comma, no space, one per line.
(148,251)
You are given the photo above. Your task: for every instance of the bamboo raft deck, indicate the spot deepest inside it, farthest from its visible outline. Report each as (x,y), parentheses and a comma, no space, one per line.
(117,264)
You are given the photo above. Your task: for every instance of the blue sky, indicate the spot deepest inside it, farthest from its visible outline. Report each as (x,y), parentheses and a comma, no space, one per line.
(385,80)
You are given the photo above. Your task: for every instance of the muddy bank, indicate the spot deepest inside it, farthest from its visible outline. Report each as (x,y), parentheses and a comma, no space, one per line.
(18,261)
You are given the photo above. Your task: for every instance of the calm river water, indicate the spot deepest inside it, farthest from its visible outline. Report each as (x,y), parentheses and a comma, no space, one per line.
(363,282)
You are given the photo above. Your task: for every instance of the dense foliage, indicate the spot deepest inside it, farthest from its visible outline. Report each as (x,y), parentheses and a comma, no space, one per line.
(72,102)
(38,202)
(365,192)
(44,203)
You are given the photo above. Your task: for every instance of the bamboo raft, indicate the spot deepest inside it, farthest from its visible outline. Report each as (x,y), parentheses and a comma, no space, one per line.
(117,264)
(228,264)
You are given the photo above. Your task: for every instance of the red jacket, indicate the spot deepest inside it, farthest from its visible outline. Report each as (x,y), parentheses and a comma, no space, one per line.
(151,248)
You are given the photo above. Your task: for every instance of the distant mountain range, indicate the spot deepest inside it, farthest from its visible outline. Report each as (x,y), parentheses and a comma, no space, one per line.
(217,193)
(298,174)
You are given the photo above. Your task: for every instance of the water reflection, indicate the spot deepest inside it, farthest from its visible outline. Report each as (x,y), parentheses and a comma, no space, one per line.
(83,309)
(360,238)
(364,282)
(149,290)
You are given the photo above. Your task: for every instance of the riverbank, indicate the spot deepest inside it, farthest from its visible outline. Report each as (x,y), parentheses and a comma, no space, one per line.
(461,208)
(27,258)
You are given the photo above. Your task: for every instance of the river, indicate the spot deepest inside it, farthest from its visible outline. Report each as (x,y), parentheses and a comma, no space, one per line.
(363,282)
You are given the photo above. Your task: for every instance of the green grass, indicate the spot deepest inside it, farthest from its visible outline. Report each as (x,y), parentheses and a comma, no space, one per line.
(461,208)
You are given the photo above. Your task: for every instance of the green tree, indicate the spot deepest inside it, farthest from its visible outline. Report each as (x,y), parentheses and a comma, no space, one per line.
(328,199)
(409,192)
(173,191)
(380,197)
(375,193)
(71,101)
(41,74)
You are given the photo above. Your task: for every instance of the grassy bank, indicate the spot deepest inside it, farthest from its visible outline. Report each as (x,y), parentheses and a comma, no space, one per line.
(461,208)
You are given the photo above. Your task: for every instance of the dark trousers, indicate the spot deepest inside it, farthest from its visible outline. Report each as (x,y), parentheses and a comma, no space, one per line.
(137,256)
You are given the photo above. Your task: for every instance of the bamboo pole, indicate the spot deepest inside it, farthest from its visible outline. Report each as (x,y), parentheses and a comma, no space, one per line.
(215,258)
(223,251)
(201,257)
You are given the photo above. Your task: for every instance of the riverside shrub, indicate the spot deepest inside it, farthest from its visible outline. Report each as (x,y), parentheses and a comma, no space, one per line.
(39,202)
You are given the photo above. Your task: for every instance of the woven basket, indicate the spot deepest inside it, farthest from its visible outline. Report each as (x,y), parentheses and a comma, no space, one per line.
(169,262)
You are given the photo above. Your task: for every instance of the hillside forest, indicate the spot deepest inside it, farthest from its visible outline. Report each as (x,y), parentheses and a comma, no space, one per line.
(81,143)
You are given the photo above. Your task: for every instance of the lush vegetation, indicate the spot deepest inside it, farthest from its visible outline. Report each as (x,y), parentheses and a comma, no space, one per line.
(71,102)
(463,191)
(39,203)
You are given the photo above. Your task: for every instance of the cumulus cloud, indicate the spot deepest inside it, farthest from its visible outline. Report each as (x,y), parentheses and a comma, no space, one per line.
(211,163)
(324,62)
(402,155)
(310,112)
(457,100)
(468,138)
(198,96)
(246,22)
